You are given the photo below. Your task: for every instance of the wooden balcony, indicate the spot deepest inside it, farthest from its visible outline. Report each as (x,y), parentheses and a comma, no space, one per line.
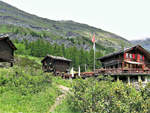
(125,71)
(112,62)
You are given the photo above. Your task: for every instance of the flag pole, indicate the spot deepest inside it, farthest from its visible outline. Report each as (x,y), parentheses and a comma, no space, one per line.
(94,56)
(93,40)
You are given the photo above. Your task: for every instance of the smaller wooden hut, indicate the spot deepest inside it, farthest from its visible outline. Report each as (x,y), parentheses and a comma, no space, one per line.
(7,49)
(55,64)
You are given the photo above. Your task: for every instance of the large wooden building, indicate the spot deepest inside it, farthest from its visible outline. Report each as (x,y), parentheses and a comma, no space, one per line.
(55,64)
(7,49)
(128,64)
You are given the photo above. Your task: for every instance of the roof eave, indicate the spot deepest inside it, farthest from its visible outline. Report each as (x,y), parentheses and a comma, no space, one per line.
(6,37)
(49,56)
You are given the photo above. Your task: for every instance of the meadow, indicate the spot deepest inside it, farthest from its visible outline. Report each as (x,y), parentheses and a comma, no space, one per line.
(24,88)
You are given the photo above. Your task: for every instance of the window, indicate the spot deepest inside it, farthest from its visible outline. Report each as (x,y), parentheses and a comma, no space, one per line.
(138,57)
(130,56)
(127,55)
(141,58)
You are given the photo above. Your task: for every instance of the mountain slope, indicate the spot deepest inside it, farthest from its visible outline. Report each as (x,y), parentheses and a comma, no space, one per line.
(69,33)
(145,43)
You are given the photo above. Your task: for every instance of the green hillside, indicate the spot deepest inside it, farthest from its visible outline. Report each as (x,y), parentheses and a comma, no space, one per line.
(69,33)
(143,42)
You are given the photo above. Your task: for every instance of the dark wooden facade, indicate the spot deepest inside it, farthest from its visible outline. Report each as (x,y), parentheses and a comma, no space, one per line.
(55,64)
(132,61)
(7,49)
(132,58)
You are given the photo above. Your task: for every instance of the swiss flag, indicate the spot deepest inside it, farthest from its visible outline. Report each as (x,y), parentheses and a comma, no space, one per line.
(93,38)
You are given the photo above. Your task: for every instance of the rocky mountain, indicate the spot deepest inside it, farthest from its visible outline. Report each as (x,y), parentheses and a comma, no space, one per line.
(22,25)
(145,43)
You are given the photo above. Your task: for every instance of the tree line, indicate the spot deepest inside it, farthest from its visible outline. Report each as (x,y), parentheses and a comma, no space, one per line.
(41,48)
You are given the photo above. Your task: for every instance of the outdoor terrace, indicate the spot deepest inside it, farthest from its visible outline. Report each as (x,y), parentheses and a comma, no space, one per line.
(125,71)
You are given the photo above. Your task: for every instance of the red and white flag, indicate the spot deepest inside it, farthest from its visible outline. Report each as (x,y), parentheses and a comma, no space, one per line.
(93,40)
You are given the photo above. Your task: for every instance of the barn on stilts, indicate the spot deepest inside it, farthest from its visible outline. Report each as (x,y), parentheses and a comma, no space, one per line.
(56,64)
(7,49)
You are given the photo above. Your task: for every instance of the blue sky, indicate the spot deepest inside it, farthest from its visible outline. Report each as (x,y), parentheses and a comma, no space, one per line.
(127,18)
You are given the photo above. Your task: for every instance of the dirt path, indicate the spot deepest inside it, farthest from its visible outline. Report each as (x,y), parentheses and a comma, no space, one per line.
(59,99)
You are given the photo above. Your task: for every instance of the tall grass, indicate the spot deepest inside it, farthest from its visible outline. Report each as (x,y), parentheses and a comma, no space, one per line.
(25,88)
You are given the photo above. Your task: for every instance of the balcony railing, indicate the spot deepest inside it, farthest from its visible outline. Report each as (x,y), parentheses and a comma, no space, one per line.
(118,71)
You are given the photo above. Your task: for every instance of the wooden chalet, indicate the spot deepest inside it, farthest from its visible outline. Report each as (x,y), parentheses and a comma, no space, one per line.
(55,64)
(131,64)
(7,49)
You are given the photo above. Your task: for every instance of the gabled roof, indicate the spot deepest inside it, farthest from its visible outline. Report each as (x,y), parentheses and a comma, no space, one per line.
(56,58)
(6,37)
(126,50)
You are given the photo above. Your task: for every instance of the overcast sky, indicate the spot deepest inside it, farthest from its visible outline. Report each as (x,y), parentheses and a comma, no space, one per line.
(127,18)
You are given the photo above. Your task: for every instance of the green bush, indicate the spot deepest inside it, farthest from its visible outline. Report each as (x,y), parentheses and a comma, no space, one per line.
(24,81)
(27,63)
(95,96)
(25,88)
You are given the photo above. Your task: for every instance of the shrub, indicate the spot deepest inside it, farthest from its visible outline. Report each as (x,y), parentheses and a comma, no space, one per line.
(94,96)
(25,82)
(25,62)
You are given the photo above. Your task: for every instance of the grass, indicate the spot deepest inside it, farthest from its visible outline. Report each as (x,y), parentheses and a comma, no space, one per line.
(36,59)
(65,82)
(12,97)
(64,108)
(13,102)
